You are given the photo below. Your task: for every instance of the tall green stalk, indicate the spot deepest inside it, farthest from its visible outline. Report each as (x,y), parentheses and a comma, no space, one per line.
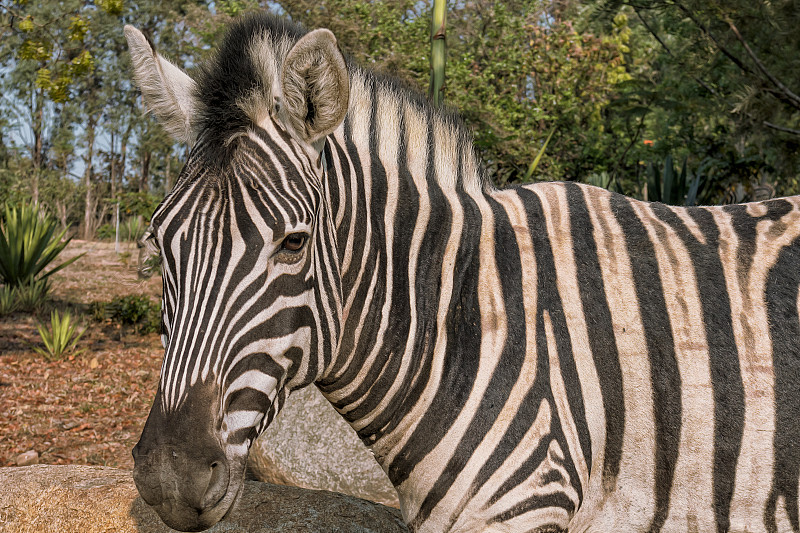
(438,51)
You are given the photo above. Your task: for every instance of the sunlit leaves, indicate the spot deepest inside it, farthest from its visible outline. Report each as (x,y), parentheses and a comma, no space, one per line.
(81,65)
(26,24)
(231,8)
(77,29)
(112,7)
(34,49)
(58,44)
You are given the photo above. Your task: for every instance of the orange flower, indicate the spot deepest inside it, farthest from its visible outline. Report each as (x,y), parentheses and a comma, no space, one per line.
(648,142)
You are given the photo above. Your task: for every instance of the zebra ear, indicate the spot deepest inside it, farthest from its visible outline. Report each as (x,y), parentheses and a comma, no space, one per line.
(167,90)
(315,86)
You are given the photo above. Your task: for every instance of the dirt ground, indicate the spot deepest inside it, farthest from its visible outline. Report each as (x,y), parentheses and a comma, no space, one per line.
(89,408)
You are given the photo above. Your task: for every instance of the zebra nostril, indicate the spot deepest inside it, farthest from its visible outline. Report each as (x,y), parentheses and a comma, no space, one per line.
(217,485)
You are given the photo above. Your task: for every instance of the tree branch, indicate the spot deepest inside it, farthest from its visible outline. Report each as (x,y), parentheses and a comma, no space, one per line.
(791,97)
(781,128)
(669,52)
(738,62)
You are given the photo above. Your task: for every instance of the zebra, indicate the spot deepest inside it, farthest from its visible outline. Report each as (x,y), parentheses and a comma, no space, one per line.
(549,357)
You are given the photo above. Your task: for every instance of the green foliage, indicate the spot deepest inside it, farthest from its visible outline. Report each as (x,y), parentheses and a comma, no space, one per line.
(52,44)
(621,84)
(106,232)
(29,242)
(132,229)
(31,295)
(138,204)
(138,311)
(672,187)
(704,76)
(61,338)
(111,7)
(535,162)
(8,300)
(519,72)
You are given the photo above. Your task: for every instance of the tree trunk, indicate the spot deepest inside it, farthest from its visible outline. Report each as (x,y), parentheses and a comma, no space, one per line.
(167,173)
(113,169)
(88,213)
(38,131)
(123,152)
(144,179)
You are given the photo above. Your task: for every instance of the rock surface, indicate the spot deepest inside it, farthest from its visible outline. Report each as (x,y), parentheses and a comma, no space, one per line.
(93,499)
(310,445)
(28,458)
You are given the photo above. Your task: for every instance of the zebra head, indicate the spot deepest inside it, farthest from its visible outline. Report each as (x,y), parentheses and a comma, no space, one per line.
(242,239)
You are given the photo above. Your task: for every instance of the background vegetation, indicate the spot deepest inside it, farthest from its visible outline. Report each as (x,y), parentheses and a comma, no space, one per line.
(625,88)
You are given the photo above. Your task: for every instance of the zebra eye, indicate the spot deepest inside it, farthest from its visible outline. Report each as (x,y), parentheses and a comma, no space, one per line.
(294,242)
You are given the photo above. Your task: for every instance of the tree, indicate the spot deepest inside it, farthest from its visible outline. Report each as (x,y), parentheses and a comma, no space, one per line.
(733,71)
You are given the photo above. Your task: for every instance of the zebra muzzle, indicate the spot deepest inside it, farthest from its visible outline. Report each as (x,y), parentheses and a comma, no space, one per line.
(186,485)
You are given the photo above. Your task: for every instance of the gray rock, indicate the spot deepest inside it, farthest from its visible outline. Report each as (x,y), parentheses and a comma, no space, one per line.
(310,445)
(28,458)
(94,499)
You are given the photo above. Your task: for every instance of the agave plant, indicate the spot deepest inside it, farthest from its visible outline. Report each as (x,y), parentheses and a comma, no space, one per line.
(132,229)
(61,338)
(31,294)
(674,188)
(8,300)
(29,243)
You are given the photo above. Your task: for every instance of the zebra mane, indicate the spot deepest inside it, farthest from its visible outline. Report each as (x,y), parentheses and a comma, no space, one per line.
(235,89)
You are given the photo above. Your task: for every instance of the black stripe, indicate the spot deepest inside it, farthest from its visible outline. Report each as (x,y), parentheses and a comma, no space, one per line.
(428,291)
(397,333)
(349,344)
(726,375)
(664,373)
(549,300)
(600,329)
(463,352)
(556,499)
(359,237)
(782,286)
(342,197)
(506,373)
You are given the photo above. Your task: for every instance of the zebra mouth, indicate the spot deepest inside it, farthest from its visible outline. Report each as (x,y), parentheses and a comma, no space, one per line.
(188,494)
(181,517)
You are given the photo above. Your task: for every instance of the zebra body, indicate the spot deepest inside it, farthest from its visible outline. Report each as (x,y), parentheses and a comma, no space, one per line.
(543,358)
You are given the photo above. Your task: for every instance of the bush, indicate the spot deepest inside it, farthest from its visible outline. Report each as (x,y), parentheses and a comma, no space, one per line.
(61,338)
(136,310)
(132,229)
(28,244)
(106,232)
(32,294)
(8,300)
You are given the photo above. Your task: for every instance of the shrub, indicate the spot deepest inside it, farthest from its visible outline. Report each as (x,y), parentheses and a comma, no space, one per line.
(132,229)
(32,294)
(136,310)
(106,232)
(8,299)
(62,337)
(29,243)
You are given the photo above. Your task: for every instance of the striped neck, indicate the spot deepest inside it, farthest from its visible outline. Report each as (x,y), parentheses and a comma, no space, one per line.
(397,168)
